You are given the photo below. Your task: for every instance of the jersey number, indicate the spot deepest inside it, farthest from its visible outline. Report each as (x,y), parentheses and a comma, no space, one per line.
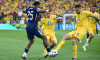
(30,14)
(49,23)
(77,34)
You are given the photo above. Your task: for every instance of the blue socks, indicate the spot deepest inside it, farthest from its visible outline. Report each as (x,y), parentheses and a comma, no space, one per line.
(48,49)
(26,50)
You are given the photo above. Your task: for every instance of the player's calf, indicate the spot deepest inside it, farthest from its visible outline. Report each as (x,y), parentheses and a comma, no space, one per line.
(66,37)
(54,43)
(44,41)
(90,37)
(74,42)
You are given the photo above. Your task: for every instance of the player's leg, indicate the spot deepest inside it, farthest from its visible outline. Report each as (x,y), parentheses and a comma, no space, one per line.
(65,37)
(40,34)
(54,43)
(53,40)
(91,35)
(86,40)
(50,38)
(74,42)
(45,51)
(27,48)
(31,41)
(77,37)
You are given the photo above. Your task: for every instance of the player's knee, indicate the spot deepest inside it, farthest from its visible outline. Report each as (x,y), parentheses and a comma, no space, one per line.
(44,37)
(92,35)
(65,37)
(47,41)
(74,42)
(32,41)
(54,43)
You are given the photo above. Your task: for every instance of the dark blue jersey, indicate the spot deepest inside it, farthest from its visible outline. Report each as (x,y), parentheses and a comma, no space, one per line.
(33,17)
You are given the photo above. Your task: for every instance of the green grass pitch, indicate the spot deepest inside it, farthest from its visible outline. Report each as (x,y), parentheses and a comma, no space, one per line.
(13,42)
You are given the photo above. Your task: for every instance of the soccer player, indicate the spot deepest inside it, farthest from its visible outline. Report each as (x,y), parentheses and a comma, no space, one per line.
(92,26)
(32,29)
(49,23)
(78,34)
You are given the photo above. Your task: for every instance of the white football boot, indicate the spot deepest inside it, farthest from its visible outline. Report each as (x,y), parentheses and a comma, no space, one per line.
(24,56)
(84,48)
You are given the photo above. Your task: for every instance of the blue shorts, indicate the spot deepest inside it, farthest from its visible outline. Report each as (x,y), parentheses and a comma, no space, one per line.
(32,32)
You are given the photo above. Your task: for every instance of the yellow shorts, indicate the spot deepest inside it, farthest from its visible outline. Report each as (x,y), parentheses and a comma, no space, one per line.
(50,35)
(92,30)
(79,33)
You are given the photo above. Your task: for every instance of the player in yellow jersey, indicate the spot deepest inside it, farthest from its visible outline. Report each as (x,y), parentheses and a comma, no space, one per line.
(92,26)
(78,34)
(49,23)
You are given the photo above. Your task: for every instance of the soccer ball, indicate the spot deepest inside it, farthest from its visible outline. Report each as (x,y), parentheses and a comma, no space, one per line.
(54,51)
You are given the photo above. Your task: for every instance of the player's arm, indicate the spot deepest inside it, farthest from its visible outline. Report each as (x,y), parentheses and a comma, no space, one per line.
(94,16)
(91,15)
(42,10)
(59,18)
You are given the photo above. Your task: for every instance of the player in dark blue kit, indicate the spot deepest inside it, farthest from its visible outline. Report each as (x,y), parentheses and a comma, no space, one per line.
(32,29)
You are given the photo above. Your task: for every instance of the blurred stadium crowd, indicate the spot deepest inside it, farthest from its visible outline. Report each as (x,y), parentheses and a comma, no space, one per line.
(11,10)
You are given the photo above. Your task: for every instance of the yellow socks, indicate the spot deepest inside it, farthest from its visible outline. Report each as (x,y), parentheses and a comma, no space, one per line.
(74,51)
(60,45)
(45,51)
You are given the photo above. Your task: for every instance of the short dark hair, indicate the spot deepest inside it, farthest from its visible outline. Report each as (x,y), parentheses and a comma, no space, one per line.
(77,6)
(36,3)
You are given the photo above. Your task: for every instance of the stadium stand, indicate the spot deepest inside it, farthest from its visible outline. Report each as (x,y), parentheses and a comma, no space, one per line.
(11,10)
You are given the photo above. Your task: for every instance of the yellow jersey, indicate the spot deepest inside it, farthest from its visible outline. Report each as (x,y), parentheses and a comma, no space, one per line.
(82,19)
(92,21)
(49,23)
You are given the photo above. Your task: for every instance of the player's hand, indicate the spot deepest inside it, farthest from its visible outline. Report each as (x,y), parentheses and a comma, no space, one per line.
(48,10)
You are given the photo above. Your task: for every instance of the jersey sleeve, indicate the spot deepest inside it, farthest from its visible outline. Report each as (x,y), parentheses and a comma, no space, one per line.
(87,13)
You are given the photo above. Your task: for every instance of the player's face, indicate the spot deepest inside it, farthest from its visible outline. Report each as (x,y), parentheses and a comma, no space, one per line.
(78,10)
(93,9)
(48,14)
